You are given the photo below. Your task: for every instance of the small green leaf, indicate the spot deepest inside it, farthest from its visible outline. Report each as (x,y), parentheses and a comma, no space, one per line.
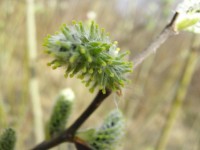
(185,23)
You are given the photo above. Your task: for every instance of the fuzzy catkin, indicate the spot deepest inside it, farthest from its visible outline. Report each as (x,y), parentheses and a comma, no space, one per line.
(87,51)
(7,139)
(108,135)
(61,113)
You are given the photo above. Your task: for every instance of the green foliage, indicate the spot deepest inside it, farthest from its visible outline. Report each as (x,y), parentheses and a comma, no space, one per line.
(60,114)
(7,139)
(108,136)
(86,51)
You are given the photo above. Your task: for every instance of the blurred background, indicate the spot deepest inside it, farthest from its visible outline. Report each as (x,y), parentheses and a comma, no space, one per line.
(161,104)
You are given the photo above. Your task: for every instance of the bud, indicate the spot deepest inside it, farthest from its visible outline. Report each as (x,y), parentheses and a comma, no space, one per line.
(7,139)
(60,114)
(109,134)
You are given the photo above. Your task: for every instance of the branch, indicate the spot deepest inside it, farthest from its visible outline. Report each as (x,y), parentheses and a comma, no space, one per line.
(168,31)
(81,145)
(68,134)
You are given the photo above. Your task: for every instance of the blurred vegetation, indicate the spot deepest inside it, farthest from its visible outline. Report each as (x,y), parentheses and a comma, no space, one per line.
(146,102)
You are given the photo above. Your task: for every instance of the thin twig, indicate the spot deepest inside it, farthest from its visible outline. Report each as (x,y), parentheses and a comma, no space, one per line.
(68,134)
(153,47)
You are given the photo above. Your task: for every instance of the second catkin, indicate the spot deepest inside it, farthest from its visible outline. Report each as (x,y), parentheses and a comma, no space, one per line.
(60,114)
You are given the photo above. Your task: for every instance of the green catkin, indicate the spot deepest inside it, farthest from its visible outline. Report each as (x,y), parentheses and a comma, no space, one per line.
(84,50)
(7,139)
(108,136)
(60,114)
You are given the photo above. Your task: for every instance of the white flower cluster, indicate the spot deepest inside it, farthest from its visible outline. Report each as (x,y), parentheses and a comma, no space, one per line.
(189,7)
(189,16)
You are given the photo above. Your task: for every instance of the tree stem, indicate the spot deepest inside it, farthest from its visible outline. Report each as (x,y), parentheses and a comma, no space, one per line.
(153,47)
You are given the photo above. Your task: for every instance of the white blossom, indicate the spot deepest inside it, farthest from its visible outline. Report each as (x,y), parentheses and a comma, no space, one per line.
(189,16)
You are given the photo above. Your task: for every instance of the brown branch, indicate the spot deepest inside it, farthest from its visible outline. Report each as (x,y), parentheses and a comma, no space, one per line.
(81,145)
(168,31)
(68,134)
